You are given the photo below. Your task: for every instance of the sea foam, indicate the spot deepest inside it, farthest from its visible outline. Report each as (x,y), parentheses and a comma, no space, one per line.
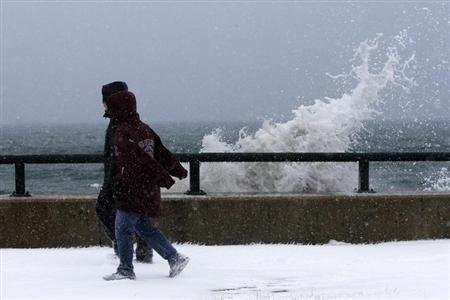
(439,182)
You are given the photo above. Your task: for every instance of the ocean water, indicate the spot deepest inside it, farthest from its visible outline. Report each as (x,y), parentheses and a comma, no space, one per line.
(381,70)
(377,136)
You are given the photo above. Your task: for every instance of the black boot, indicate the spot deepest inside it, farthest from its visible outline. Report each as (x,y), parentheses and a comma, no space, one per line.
(144,253)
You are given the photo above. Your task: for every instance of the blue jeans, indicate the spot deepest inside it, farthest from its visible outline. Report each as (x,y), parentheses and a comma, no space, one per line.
(128,223)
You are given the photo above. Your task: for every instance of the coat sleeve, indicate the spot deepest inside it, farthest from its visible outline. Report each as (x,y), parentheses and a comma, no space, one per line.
(126,143)
(168,160)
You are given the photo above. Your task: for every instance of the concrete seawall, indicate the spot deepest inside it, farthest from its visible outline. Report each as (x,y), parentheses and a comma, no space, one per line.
(68,221)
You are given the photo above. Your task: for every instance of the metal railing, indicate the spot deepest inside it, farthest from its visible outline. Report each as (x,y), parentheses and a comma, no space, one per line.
(194,160)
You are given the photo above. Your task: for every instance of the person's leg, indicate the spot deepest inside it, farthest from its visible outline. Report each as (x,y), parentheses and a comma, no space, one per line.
(144,253)
(158,241)
(154,238)
(125,227)
(106,213)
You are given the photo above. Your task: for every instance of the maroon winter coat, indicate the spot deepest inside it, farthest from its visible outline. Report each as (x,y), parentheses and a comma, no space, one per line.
(141,162)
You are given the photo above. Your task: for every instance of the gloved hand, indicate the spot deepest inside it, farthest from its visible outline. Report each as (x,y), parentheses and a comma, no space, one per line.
(179,172)
(183,173)
(166,181)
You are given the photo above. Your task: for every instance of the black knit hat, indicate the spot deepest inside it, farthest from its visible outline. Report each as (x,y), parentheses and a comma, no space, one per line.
(112,88)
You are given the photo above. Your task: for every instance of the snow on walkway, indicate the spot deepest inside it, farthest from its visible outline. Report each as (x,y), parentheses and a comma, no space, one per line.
(401,270)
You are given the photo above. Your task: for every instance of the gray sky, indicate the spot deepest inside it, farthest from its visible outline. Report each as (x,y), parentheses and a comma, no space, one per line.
(206,61)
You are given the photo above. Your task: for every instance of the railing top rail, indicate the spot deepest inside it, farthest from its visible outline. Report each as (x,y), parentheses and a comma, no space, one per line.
(52,159)
(243,157)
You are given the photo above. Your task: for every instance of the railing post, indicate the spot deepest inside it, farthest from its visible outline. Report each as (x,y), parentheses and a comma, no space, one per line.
(20,180)
(194,178)
(363,176)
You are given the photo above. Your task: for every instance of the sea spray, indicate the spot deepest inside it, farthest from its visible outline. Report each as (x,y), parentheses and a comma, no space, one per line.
(439,182)
(328,125)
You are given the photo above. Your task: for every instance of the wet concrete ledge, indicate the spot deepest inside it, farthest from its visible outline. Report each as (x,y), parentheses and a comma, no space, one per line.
(69,220)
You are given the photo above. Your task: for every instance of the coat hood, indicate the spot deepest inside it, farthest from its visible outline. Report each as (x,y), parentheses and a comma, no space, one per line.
(122,106)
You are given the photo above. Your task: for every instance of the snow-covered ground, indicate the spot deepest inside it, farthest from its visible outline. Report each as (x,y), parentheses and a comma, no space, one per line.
(401,270)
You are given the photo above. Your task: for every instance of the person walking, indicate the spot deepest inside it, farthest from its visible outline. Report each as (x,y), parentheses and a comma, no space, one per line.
(105,207)
(142,166)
